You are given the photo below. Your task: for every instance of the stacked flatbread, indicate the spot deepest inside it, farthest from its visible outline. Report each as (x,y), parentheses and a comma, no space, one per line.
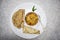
(30,30)
(17,18)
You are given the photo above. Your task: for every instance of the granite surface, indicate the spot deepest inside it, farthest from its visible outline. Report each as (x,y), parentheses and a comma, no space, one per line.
(51,8)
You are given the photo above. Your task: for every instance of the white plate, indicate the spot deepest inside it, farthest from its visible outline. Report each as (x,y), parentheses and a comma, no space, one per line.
(28,6)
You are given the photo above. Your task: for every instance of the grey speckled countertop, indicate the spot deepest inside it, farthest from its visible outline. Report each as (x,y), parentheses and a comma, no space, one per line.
(52,10)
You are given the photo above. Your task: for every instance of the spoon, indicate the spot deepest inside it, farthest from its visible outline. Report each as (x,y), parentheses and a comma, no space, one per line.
(41,22)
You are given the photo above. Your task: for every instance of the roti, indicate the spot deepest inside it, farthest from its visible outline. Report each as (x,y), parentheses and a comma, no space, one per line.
(30,30)
(17,18)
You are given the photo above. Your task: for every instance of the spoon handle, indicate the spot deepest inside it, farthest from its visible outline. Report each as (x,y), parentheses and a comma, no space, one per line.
(41,22)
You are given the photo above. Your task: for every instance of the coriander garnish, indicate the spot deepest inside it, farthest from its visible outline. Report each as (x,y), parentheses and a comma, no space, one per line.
(33,8)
